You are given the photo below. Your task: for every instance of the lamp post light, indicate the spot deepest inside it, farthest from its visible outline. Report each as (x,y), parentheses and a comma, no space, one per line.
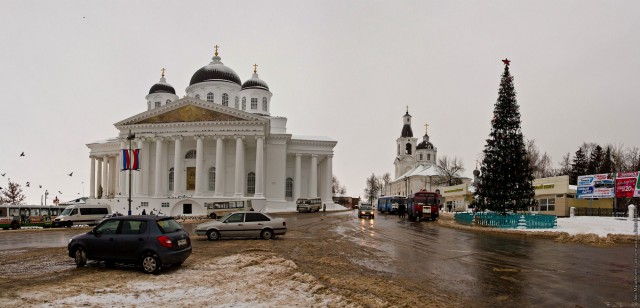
(46,193)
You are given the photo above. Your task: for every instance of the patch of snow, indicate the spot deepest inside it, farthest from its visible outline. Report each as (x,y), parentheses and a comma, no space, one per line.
(598,225)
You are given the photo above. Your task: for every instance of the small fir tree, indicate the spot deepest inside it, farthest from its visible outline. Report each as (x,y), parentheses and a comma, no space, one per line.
(505,181)
(12,194)
(578,167)
(607,162)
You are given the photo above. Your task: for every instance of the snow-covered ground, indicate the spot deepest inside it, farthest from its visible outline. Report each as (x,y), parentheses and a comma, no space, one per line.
(600,226)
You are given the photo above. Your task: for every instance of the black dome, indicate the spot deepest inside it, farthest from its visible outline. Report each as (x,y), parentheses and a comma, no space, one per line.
(424,145)
(255,83)
(162,88)
(215,72)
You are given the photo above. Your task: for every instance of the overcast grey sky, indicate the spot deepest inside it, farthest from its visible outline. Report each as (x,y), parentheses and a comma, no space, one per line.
(342,69)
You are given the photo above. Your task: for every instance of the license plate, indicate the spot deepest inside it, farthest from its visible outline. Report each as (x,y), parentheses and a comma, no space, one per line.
(182,242)
(426,210)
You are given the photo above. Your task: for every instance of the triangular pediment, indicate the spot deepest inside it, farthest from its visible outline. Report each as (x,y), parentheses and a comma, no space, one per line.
(190,113)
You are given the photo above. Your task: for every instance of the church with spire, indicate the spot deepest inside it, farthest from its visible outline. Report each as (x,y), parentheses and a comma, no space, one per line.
(414,163)
(216,143)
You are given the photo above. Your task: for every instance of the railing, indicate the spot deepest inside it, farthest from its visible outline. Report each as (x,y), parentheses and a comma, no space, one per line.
(509,221)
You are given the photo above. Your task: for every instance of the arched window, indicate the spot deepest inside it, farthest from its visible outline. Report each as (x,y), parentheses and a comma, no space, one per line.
(264,103)
(171,179)
(237,102)
(244,103)
(254,103)
(251,183)
(198,96)
(212,178)
(288,193)
(421,156)
(225,99)
(428,156)
(191,154)
(168,101)
(210,97)
(408,149)
(158,104)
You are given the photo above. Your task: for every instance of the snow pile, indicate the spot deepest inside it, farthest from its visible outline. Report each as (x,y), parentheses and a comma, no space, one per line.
(597,225)
(242,280)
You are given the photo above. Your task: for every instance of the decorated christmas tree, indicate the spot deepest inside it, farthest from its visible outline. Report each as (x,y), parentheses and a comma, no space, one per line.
(505,181)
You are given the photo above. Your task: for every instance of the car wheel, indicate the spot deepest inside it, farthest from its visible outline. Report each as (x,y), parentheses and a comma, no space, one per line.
(213,235)
(266,234)
(80,256)
(151,263)
(213,216)
(15,225)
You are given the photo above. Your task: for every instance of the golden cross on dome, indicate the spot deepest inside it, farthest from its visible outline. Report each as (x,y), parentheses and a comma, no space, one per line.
(163,72)
(255,68)
(426,128)
(216,47)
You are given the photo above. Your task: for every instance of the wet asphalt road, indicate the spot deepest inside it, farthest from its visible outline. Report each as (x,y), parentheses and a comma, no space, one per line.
(484,268)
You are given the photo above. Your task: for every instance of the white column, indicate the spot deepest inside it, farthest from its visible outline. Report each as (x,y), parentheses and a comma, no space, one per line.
(177,167)
(92,180)
(138,174)
(157,191)
(199,165)
(297,180)
(113,175)
(122,175)
(239,191)
(99,176)
(259,167)
(105,177)
(220,178)
(144,167)
(328,179)
(313,178)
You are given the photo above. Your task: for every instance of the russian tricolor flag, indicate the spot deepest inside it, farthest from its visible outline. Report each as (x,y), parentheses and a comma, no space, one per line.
(131,159)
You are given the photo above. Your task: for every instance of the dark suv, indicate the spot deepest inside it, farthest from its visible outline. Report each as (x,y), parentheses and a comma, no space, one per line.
(151,241)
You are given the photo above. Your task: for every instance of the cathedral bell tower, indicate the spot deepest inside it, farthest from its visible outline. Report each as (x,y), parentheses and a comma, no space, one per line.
(406,147)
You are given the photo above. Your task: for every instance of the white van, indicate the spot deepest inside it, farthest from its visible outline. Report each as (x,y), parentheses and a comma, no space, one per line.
(81,214)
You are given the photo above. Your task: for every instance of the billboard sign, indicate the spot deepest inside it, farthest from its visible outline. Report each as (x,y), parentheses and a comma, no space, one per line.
(627,185)
(595,186)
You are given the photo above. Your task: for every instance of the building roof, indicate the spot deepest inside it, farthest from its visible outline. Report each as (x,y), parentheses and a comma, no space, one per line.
(420,170)
(215,71)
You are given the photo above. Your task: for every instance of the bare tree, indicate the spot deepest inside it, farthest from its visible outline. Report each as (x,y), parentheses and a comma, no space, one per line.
(541,165)
(565,165)
(373,188)
(336,188)
(449,171)
(12,194)
(385,180)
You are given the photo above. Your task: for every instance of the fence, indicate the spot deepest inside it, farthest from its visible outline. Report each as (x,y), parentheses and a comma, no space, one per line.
(509,221)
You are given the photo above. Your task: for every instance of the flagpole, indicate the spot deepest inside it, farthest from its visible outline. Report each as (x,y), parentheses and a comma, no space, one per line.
(130,138)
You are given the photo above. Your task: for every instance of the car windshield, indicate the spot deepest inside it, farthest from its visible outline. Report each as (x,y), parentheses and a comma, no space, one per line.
(224,217)
(168,225)
(66,212)
(365,207)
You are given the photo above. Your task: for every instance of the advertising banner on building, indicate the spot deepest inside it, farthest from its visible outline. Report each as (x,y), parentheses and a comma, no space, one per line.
(627,185)
(595,186)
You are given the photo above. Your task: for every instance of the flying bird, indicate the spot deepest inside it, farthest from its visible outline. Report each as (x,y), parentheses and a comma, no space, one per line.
(3,174)
(40,186)
(28,184)
(71,174)
(21,154)
(59,192)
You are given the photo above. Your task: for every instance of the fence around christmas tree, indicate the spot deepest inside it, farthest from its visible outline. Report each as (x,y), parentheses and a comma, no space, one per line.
(509,221)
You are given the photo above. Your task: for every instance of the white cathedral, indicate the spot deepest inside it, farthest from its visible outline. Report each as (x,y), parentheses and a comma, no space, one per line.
(218,142)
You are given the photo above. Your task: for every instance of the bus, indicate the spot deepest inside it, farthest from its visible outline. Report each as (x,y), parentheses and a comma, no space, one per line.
(17,216)
(308,205)
(423,205)
(389,204)
(220,208)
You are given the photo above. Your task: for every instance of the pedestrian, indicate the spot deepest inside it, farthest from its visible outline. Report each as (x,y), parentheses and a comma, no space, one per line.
(401,210)
(324,207)
(144,212)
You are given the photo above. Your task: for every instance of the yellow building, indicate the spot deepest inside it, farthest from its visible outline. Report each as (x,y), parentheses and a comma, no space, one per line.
(554,196)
